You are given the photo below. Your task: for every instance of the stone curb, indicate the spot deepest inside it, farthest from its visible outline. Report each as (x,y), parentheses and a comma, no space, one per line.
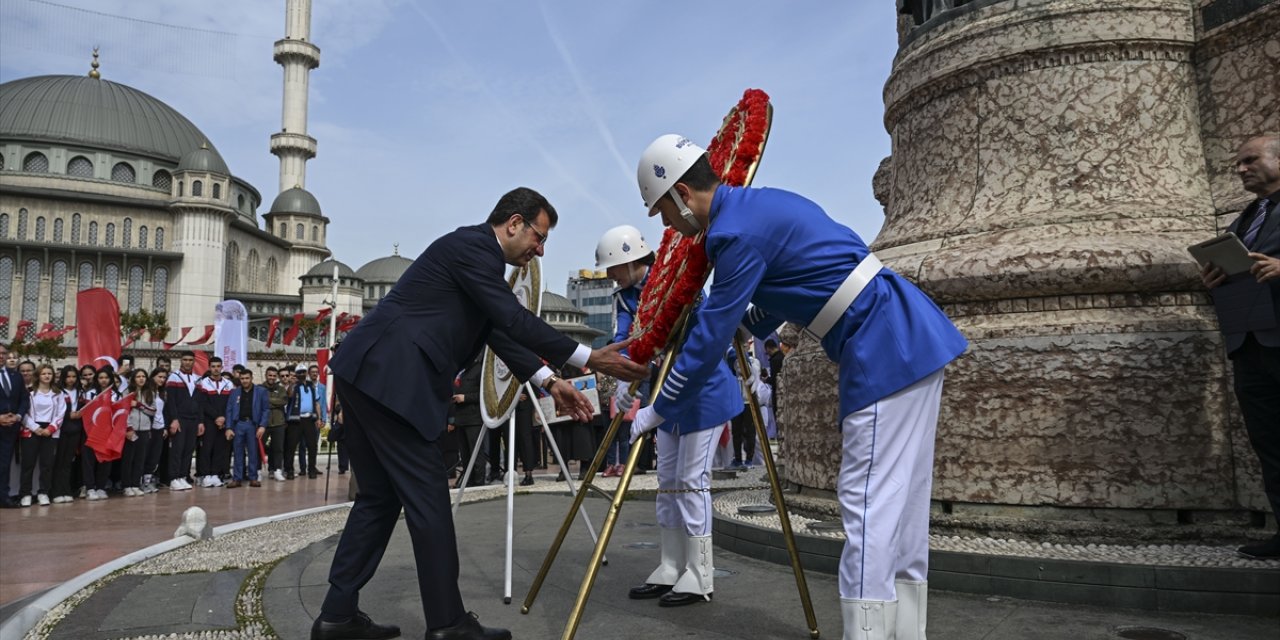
(28,616)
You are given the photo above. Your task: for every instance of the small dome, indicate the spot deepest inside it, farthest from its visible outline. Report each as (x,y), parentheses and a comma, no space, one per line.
(325,270)
(384,270)
(296,200)
(555,302)
(203,159)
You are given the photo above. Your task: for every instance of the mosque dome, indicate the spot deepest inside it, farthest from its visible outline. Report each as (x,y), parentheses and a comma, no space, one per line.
(297,200)
(552,301)
(384,270)
(203,159)
(91,112)
(325,270)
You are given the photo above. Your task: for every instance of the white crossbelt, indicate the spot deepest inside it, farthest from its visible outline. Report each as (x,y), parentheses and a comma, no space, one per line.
(844,296)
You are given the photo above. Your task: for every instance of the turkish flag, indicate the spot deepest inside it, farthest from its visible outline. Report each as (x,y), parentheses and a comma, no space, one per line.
(349,324)
(98,319)
(323,313)
(105,423)
(292,333)
(21,329)
(272,328)
(202,363)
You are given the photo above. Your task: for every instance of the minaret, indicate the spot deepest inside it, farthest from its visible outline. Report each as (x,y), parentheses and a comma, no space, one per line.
(298,57)
(295,214)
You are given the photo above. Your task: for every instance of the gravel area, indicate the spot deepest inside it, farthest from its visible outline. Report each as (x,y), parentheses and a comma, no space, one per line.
(1173,555)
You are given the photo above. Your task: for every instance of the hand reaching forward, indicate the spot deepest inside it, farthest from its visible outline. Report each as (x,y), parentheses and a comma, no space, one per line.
(571,402)
(609,360)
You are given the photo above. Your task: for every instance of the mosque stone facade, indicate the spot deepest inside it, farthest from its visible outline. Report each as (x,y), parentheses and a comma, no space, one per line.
(1051,162)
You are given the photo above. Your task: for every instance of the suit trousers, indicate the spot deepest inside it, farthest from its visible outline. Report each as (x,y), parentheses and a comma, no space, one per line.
(292,436)
(886,479)
(308,446)
(244,452)
(744,437)
(1257,382)
(398,468)
(8,443)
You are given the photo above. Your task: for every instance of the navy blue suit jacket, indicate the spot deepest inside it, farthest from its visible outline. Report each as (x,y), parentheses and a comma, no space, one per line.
(451,301)
(258,411)
(17,400)
(1268,242)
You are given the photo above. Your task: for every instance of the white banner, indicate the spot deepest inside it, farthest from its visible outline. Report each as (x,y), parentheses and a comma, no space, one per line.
(231,331)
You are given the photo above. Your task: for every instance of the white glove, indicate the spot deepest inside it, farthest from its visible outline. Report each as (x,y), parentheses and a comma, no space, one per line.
(646,420)
(623,397)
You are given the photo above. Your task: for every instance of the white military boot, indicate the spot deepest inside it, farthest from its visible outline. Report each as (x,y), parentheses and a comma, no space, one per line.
(913,601)
(869,619)
(659,582)
(698,580)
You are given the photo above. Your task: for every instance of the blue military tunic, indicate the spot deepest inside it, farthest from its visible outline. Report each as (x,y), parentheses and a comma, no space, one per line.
(782,253)
(716,402)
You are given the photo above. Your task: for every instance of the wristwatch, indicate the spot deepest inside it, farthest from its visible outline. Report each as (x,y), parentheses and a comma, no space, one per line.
(551,381)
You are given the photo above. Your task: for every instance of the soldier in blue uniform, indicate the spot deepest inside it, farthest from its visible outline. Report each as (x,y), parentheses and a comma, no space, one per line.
(686,441)
(779,258)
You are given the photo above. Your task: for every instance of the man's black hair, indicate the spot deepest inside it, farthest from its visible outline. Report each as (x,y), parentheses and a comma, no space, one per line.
(215,360)
(770,344)
(524,201)
(700,177)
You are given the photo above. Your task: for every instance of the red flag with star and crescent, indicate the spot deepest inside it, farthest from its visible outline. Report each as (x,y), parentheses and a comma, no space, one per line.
(98,328)
(105,423)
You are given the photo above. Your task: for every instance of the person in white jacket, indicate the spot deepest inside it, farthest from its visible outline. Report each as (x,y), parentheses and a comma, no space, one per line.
(40,434)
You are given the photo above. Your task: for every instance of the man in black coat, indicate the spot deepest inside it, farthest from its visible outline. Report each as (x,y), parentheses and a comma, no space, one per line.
(394,378)
(1248,306)
(14,403)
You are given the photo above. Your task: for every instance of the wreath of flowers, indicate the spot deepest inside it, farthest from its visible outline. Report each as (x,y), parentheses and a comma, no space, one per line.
(681,267)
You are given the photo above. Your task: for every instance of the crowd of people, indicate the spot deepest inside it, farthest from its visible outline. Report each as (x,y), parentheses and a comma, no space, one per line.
(221,422)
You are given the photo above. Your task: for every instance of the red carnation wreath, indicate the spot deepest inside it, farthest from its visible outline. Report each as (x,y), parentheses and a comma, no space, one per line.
(681,267)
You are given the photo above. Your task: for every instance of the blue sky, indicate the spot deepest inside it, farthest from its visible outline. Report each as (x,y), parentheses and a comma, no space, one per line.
(426,112)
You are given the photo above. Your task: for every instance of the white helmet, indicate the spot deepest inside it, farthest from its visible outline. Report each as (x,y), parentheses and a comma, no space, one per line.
(661,165)
(620,245)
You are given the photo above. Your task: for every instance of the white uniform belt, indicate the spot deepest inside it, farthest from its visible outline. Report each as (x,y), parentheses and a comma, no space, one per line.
(844,296)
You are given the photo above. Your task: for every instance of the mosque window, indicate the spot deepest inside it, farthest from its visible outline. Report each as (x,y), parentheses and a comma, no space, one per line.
(284,230)
(93,234)
(123,172)
(383,292)
(232,274)
(142,237)
(240,202)
(197,189)
(179,188)
(35,162)
(6,284)
(252,271)
(31,290)
(1,162)
(159,239)
(111,278)
(126,232)
(85,279)
(315,233)
(75,228)
(135,288)
(162,180)
(4,228)
(40,228)
(110,235)
(57,229)
(80,167)
(22,224)
(58,295)
(217,191)
(160,290)
(300,232)
(273,275)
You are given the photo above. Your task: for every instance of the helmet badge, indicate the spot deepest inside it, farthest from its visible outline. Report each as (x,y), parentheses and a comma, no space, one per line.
(659,171)
(626,248)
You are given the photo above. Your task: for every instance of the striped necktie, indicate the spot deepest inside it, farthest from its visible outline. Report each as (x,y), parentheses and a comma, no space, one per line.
(1259,218)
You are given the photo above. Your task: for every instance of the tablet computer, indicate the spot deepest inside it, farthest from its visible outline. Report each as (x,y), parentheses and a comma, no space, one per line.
(1226,251)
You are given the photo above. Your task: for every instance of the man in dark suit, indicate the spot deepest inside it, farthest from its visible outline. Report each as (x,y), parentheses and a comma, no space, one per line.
(14,402)
(1248,306)
(394,378)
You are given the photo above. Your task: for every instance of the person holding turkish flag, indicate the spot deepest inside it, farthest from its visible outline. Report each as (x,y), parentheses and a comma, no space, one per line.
(106,419)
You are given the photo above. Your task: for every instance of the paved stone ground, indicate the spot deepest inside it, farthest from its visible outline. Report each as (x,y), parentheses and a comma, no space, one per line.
(754,599)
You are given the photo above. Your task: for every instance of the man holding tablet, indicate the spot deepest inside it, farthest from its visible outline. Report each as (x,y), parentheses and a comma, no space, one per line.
(1248,306)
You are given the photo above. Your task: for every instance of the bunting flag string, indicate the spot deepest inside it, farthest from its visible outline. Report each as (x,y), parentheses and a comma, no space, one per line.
(204,339)
(181,336)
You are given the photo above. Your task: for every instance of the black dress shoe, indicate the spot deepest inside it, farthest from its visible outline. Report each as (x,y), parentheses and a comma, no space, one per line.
(677,599)
(528,481)
(357,627)
(312,475)
(648,591)
(469,629)
(1269,550)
